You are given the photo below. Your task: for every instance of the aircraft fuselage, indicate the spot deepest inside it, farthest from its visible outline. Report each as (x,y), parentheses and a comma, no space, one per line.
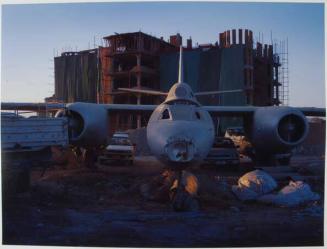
(180,133)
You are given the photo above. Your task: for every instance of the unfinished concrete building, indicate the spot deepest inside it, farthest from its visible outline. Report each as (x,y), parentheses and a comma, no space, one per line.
(130,60)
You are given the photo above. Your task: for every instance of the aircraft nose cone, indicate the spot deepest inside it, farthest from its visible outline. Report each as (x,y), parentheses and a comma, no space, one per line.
(180,151)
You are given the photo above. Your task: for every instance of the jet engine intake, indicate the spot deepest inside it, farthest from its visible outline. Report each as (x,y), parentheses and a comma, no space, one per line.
(278,129)
(87,124)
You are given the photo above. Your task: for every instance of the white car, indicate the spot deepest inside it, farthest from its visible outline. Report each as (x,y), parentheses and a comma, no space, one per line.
(119,149)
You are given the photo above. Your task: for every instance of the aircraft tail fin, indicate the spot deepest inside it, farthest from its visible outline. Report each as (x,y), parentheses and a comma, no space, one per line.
(181,69)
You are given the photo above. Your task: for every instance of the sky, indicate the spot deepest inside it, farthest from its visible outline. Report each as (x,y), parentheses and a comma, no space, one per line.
(32,34)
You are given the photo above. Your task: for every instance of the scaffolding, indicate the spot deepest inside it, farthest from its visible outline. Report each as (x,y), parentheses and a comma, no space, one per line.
(281,53)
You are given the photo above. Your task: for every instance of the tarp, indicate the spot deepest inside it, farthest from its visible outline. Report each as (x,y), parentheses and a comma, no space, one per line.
(76,77)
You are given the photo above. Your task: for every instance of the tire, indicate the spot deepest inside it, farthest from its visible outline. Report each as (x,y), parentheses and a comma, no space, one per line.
(15,178)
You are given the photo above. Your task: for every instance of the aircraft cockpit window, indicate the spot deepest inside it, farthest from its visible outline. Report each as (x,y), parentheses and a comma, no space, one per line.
(165,114)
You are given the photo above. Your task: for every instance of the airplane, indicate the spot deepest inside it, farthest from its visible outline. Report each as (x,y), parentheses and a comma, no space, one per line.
(180,131)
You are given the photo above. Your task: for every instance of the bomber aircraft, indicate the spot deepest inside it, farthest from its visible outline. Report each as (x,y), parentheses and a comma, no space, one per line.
(180,131)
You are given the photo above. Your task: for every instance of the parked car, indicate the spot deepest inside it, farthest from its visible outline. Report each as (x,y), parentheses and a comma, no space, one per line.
(243,145)
(223,152)
(119,149)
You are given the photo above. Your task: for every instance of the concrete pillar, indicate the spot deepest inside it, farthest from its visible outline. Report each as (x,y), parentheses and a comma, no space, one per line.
(270,51)
(221,40)
(251,38)
(138,60)
(189,43)
(228,38)
(138,80)
(240,36)
(233,37)
(139,116)
(246,37)
(265,51)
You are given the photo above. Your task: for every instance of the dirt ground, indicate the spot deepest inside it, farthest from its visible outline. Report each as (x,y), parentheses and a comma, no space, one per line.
(75,206)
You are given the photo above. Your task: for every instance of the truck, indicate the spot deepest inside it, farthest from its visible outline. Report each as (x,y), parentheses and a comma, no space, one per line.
(27,142)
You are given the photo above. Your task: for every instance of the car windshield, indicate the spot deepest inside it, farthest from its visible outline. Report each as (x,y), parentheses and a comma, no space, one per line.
(223,143)
(120,141)
(235,132)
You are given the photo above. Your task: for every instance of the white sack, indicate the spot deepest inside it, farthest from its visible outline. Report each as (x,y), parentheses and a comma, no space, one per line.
(254,184)
(291,195)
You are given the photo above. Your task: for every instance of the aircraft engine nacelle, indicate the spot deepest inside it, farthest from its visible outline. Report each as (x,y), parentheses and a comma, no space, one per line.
(87,124)
(278,129)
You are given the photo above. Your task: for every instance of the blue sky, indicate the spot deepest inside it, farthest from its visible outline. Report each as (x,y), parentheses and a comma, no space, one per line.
(32,33)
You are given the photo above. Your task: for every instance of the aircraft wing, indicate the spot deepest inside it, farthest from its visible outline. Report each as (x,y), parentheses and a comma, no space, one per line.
(313,111)
(218,92)
(31,106)
(230,110)
(143,91)
(127,108)
(213,110)
(249,110)
(57,106)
